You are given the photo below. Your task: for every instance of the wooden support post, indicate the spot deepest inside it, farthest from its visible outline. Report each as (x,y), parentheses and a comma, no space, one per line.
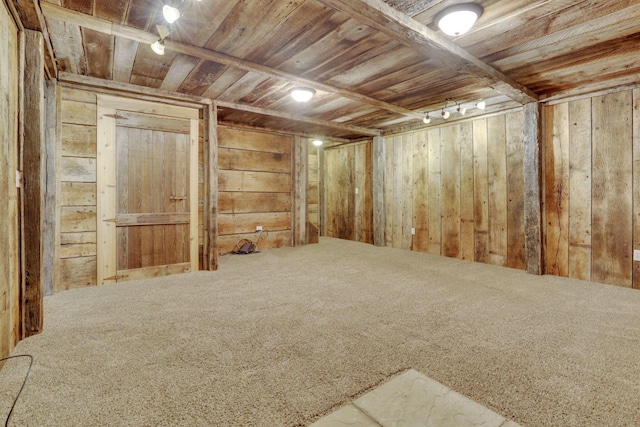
(300,167)
(532,188)
(322,195)
(34,167)
(211,198)
(50,231)
(378,191)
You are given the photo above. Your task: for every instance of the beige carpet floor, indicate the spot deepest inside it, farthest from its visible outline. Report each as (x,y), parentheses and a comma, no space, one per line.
(285,336)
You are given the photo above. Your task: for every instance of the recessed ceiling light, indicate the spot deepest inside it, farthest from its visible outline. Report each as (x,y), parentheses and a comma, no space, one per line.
(458,19)
(302,94)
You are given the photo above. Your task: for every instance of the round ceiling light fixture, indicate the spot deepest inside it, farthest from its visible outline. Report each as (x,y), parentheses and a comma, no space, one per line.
(458,19)
(302,94)
(171,14)
(317,142)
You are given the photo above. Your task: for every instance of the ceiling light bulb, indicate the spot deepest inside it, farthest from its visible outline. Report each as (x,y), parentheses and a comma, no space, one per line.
(481,105)
(302,94)
(158,47)
(445,114)
(462,110)
(170,13)
(426,119)
(458,19)
(317,142)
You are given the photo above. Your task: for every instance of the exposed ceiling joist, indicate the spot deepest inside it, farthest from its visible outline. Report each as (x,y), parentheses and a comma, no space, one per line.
(266,112)
(190,100)
(52,11)
(379,15)
(32,19)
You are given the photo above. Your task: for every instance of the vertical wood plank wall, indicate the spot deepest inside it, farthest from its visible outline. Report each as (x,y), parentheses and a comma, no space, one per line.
(592,170)
(313,182)
(348,170)
(254,188)
(461,187)
(78,266)
(9,240)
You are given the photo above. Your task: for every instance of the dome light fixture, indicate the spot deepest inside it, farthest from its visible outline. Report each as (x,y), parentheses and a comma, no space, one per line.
(317,142)
(158,46)
(171,14)
(302,94)
(458,19)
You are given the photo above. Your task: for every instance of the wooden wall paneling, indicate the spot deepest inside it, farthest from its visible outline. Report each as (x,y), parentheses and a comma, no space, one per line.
(557,190)
(322,192)
(397,193)
(78,140)
(378,171)
(435,192)
(212,203)
(300,170)
(367,206)
(313,196)
(580,189)
(612,189)
(497,161)
(106,184)
(467,242)
(480,191)
(516,254)
(421,191)
(450,161)
(359,152)
(193,194)
(10,78)
(636,185)
(51,232)
(34,164)
(533,149)
(389,150)
(407,190)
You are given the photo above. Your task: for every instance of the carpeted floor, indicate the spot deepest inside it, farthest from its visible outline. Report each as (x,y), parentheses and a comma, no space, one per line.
(283,337)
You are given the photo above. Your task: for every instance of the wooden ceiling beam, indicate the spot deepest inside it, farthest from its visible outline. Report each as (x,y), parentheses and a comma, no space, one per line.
(406,30)
(31,18)
(109,86)
(52,11)
(340,126)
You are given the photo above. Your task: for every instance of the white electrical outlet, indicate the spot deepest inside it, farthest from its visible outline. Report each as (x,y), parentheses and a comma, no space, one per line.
(636,255)
(413,231)
(258,228)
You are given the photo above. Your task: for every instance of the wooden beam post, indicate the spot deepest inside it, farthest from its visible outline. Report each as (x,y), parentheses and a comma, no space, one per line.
(50,231)
(532,188)
(378,191)
(322,195)
(34,184)
(300,170)
(211,189)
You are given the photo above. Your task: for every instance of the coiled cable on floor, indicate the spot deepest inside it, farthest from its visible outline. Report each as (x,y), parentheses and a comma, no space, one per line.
(6,424)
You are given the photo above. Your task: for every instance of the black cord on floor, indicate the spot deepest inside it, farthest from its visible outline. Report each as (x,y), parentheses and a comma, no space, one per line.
(6,424)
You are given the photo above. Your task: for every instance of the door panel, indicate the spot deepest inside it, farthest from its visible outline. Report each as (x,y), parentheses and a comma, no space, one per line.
(152,228)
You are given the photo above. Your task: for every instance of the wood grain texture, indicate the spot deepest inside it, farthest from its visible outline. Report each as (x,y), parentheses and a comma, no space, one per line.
(516,245)
(450,162)
(34,175)
(612,189)
(421,192)
(580,189)
(636,184)
(378,171)
(497,170)
(10,319)
(435,192)
(467,247)
(557,190)
(480,191)
(533,187)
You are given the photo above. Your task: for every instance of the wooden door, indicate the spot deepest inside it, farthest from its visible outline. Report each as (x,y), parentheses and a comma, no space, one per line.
(147,179)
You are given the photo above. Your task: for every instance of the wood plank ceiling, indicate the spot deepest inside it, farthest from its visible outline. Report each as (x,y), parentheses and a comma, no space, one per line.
(376,66)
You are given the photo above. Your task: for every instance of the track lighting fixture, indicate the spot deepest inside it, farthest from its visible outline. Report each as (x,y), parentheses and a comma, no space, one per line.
(448,109)
(462,110)
(426,119)
(481,105)
(158,46)
(302,94)
(445,114)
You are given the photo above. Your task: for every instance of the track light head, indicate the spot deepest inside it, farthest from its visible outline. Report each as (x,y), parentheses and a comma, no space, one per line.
(171,14)
(158,47)
(445,114)
(481,105)
(426,119)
